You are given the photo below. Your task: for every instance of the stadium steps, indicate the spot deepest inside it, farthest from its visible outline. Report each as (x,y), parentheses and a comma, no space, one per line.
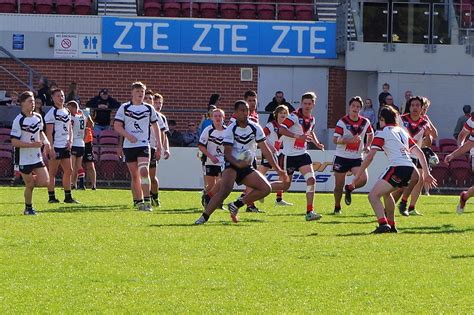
(326,10)
(117,7)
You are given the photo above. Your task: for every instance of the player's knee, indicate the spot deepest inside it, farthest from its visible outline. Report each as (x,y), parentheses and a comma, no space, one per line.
(310,180)
(143,169)
(266,189)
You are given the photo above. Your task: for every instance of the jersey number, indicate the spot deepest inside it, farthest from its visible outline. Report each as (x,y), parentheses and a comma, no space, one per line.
(81,124)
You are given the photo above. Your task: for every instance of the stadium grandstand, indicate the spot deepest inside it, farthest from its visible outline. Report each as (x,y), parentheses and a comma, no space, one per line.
(189,50)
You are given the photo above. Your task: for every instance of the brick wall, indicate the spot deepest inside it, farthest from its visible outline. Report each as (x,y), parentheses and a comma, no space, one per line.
(336,95)
(184,86)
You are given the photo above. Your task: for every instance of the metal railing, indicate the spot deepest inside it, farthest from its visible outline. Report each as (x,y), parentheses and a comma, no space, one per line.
(31,73)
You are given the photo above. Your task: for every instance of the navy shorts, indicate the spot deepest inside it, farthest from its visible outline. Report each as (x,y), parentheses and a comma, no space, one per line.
(398,176)
(293,163)
(62,153)
(132,154)
(88,153)
(27,169)
(77,151)
(241,172)
(344,165)
(212,170)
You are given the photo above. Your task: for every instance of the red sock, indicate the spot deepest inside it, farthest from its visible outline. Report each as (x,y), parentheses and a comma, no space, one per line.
(404,200)
(382,221)
(392,223)
(210,194)
(410,208)
(350,187)
(279,194)
(309,208)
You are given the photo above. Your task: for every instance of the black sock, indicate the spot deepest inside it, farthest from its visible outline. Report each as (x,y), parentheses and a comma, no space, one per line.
(135,202)
(51,195)
(139,201)
(205,216)
(239,203)
(337,208)
(154,196)
(28,206)
(67,194)
(279,199)
(146,199)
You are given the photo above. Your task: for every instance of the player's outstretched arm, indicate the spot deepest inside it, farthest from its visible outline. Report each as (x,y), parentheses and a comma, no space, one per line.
(462,136)
(365,164)
(466,147)
(316,142)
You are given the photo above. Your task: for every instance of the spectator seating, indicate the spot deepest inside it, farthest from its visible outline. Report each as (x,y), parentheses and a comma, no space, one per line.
(446,141)
(7,6)
(109,133)
(189,10)
(109,166)
(44,6)
(248,11)
(460,173)
(441,173)
(304,12)
(286,12)
(6,165)
(172,9)
(63,6)
(27,6)
(83,7)
(229,11)
(152,8)
(209,10)
(5,131)
(448,148)
(5,139)
(266,11)
(108,141)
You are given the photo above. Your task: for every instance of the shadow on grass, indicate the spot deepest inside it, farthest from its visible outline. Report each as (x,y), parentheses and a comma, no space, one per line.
(355,234)
(85,208)
(344,222)
(178,211)
(212,223)
(462,256)
(442,229)
(286,215)
(454,212)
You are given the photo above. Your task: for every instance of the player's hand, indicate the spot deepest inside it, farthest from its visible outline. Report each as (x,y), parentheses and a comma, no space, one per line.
(52,153)
(354,139)
(283,176)
(46,149)
(448,158)
(131,138)
(158,153)
(214,159)
(366,149)
(120,153)
(430,181)
(319,145)
(166,154)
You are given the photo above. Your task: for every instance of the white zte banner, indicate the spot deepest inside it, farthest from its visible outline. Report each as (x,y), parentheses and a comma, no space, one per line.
(184,171)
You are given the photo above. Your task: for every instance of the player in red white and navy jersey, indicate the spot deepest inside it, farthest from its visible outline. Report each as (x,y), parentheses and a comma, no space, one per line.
(134,121)
(241,139)
(274,142)
(349,135)
(466,144)
(27,137)
(60,135)
(419,128)
(211,144)
(156,100)
(296,131)
(397,145)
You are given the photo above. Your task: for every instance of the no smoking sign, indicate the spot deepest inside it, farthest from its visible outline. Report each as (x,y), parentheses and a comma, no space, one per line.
(66,46)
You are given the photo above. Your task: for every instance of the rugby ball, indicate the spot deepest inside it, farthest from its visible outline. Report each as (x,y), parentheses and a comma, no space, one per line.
(244,156)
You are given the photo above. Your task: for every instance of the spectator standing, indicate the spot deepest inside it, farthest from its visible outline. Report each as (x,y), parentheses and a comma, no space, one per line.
(44,92)
(462,120)
(175,137)
(13,99)
(369,112)
(278,99)
(385,92)
(191,136)
(206,119)
(72,94)
(102,106)
(406,109)
(39,109)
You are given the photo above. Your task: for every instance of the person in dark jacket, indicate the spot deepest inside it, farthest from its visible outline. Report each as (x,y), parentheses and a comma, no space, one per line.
(44,92)
(278,100)
(102,106)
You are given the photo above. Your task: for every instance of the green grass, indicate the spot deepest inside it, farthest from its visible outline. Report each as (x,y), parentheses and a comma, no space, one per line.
(104,257)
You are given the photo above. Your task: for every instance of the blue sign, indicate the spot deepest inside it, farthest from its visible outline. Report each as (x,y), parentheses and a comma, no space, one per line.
(18,42)
(219,37)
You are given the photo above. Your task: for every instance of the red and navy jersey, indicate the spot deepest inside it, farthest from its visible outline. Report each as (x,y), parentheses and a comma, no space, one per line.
(416,129)
(348,128)
(299,124)
(469,127)
(396,143)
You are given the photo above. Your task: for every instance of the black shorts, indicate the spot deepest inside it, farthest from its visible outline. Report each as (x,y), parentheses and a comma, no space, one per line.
(88,153)
(77,151)
(132,154)
(153,160)
(27,169)
(398,176)
(212,170)
(241,172)
(416,162)
(344,165)
(62,153)
(293,163)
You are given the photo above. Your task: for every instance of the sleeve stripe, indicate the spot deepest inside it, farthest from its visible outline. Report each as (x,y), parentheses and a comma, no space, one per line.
(15,137)
(203,144)
(118,119)
(227,143)
(261,140)
(339,130)
(378,142)
(266,131)
(376,147)
(288,123)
